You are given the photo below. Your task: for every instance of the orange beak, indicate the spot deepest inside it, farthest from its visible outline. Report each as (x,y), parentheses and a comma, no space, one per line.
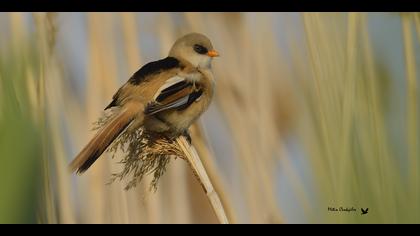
(212,53)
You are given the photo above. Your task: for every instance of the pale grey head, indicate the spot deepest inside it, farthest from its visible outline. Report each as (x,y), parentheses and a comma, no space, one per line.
(196,49)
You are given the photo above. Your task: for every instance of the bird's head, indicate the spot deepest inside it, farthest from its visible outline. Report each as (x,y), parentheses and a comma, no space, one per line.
(194,48)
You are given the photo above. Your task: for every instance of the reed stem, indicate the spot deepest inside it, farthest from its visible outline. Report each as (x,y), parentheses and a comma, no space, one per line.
(199,171)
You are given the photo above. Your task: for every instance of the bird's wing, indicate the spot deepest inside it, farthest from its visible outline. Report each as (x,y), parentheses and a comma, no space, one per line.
(176,93)
(145,73)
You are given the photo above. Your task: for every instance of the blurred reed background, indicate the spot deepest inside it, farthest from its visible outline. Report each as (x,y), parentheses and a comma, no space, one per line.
(312,110)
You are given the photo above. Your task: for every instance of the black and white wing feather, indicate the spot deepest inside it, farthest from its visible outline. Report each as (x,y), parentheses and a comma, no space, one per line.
(177,93)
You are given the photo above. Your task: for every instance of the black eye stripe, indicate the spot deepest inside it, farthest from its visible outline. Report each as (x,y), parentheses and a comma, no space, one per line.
(200,49)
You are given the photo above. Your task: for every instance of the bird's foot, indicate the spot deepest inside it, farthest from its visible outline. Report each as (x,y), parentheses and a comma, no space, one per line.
(187,135)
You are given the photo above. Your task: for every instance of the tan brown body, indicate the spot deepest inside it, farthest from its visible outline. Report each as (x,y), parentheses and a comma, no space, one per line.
(165,96)
(175,121)
(178,121)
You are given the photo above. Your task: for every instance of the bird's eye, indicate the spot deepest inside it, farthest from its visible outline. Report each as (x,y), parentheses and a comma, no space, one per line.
(200,49)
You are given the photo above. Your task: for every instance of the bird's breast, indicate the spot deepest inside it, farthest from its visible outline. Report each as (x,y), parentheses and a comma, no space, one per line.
(181,120)
(176,121)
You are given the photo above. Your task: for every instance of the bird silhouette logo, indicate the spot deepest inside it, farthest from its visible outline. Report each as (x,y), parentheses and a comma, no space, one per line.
(364,211)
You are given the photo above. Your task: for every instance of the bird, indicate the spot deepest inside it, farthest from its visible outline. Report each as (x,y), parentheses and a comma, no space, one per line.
(364,211)
(164,96)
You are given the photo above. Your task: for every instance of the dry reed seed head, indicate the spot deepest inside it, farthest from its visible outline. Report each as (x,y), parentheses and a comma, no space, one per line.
(143,153)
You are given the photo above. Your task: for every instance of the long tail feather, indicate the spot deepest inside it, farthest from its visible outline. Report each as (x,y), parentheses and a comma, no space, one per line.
(105,136)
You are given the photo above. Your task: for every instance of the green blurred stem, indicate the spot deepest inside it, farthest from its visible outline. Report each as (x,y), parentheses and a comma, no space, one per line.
(412,117)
